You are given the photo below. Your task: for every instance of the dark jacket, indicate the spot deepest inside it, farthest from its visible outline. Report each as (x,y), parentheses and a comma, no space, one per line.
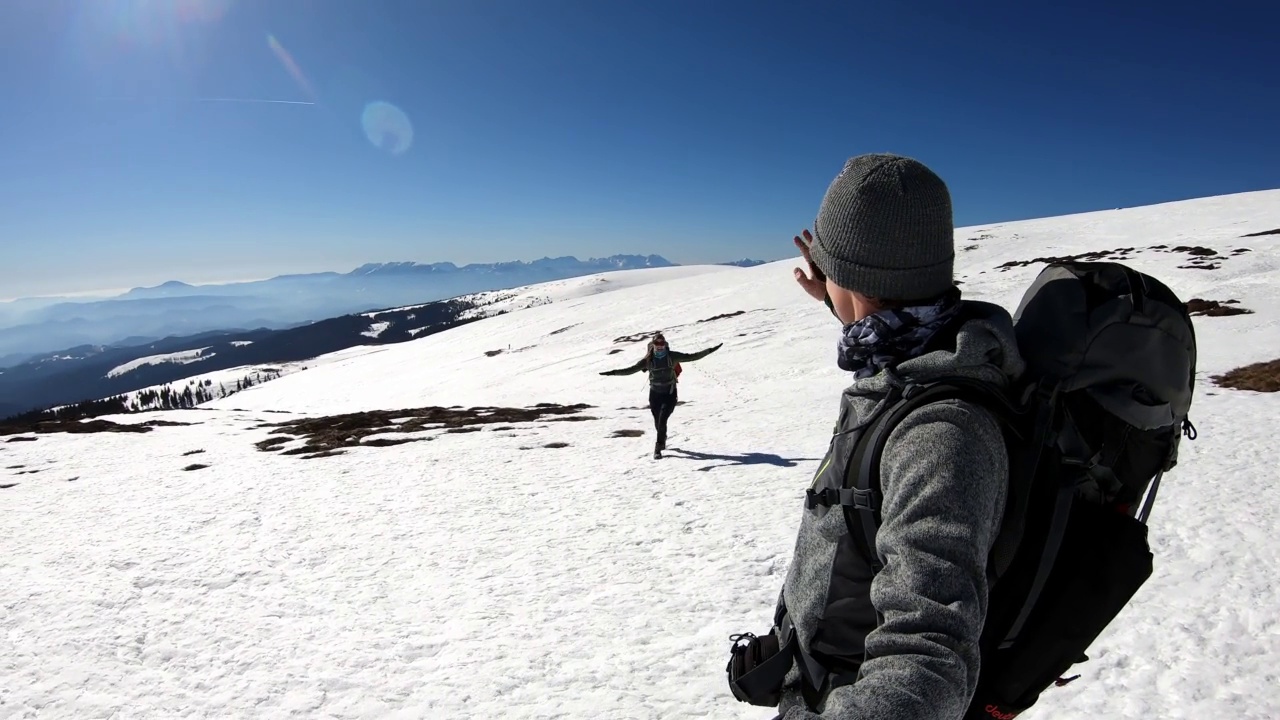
(944,477)
(662,371)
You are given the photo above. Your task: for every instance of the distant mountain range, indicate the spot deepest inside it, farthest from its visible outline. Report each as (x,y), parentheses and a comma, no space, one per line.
(92,372)
(31,327)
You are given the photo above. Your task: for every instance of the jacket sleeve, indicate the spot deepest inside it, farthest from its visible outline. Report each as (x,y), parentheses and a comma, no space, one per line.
(690,357)
(630,370)
(944,478)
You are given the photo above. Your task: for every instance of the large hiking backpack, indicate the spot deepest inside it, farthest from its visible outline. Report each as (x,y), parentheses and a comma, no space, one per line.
(1096,421)
(1111,357)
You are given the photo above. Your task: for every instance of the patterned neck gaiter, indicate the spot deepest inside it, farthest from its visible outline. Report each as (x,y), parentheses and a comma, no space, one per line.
(888,337)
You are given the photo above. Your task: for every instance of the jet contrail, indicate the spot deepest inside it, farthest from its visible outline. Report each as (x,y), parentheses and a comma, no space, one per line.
(255,100)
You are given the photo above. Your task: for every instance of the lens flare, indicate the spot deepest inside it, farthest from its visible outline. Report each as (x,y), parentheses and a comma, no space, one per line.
(291,66)
(387,127)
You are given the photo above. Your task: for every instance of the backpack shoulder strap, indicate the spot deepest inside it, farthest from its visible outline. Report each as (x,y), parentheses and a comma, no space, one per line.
(863,516)
(1030,433)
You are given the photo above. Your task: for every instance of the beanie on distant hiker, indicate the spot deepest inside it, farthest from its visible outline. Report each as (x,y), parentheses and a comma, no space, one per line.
(884,229)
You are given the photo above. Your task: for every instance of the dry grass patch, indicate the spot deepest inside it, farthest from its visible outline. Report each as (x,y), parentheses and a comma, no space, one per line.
(1213,308)
(723,316)
(326,436)
(96,425)
(1258,377)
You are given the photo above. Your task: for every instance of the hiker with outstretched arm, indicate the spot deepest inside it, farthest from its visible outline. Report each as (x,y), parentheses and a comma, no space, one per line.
(901,642)
(980,517)
(663,365)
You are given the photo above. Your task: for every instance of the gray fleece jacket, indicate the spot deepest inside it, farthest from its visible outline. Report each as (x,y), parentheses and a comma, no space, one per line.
(944,477)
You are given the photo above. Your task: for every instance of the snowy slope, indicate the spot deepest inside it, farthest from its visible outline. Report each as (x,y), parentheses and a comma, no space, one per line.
(500,301)
(270,353)
(548,569)
(184,357)
(492,302)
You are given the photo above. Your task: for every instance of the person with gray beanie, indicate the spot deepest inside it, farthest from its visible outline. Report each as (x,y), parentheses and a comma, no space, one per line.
(893,631)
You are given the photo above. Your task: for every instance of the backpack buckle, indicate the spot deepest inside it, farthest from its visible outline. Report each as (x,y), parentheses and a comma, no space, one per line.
(826,497)
(860,499)
(852,497)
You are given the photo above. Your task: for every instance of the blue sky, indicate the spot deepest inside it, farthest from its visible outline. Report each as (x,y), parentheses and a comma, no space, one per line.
(702,130)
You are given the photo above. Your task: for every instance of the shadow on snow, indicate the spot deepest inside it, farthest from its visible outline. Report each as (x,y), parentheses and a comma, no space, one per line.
(743,459)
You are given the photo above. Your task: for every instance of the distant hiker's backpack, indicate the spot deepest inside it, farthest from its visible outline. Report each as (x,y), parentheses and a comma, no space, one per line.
(1111,357)
(663,372)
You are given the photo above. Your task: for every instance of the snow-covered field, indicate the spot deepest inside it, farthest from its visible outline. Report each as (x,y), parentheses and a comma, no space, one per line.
(220,383)
(184,357)
(499,301)
(548,569)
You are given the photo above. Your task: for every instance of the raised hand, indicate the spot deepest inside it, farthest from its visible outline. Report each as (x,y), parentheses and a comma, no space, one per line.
(815,284)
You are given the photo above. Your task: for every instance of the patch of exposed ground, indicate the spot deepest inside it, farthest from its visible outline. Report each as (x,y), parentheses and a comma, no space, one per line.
(96,425)
(1202,258)
(1213,308)
(1192,250)
(974,242)
(1199,257)
(192,452)
(6,486)
(325,436)
(564,329)
(1258,377)
(636,337)
(1096,255)
(722,316)
(22,439)
(644,336)
(628,433)
(388,442)
(195,466)
(271,442)
(1264,232)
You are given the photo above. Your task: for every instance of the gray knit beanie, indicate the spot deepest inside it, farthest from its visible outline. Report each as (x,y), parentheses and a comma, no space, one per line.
(884,229)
